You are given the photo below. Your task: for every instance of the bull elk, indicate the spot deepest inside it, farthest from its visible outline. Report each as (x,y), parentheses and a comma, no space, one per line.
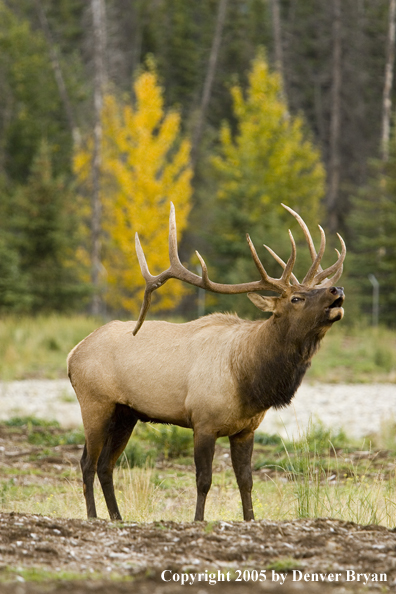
(217,375)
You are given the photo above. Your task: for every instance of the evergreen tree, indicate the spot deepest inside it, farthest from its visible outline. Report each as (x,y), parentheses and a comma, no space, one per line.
(308,33)
(373,243)
(14,293)
(30,106)
(43,226)
(269,160)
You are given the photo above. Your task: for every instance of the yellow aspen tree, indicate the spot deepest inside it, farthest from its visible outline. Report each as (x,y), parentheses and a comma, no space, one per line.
(145,165)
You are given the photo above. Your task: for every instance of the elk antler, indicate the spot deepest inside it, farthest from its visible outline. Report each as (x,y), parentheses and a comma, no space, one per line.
(316,276)
(178,271)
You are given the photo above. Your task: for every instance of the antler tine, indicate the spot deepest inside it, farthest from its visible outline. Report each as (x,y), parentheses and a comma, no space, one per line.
(282,263)
(306,232)
(148,277)
(291,261)
(143,311)
(142,259)
(205,275)
(310,276)
(173,253)
(331,281)
(335,269)
(256,259)
(283,282)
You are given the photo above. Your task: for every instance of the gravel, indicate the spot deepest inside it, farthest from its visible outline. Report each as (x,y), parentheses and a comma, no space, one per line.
(44,399)
(361,409)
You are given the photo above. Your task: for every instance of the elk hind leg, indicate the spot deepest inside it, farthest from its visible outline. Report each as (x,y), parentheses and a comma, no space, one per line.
(119,431)
(204,446)
(95,428)
(241,456)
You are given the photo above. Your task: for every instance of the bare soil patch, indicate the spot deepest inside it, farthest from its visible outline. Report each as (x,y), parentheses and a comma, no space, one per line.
(141,552)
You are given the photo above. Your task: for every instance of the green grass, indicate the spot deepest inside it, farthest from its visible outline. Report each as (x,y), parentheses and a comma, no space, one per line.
(37,348)
(330,475)
(38,574)
(285,564)
(148,495)
(355,355)
(153,442)
(320,475)
(45,433)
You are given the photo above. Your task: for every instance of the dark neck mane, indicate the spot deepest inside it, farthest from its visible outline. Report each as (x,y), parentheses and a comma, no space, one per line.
(270,366)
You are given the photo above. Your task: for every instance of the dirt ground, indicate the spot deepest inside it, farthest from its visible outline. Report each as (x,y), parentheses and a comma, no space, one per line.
(153,554)
(320,555)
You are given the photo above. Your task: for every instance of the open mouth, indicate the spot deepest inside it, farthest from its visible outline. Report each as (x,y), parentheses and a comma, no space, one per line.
(337,303)
(335,311)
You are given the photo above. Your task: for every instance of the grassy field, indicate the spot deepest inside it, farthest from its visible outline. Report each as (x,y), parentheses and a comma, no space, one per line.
(321,475)
(37,348)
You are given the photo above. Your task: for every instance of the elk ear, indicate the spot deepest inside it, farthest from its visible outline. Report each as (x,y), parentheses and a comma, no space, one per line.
(263,303)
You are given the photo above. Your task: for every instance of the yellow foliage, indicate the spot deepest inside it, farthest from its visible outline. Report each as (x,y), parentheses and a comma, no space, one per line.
(271,156)
(145,164)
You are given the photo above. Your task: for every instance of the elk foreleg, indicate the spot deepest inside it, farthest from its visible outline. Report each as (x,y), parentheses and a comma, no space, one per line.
(204,446)
(241,456)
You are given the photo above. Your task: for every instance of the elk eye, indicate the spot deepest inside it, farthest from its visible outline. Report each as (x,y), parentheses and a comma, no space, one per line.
(296,299)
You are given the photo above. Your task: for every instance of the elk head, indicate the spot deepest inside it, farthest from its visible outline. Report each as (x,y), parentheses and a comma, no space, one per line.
(295,298)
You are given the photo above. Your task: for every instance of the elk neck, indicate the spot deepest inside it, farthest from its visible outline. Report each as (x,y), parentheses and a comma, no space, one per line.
(270,362)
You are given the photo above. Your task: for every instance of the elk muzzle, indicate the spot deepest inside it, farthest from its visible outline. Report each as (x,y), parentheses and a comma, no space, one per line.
(335,311)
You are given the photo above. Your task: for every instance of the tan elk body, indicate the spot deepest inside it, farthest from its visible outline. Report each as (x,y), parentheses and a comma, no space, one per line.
(217,375)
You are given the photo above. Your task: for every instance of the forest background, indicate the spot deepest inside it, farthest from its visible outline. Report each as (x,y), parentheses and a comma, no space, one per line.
(110,109)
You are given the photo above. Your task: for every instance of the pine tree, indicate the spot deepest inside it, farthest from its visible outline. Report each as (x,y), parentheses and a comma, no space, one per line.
(14,294)
(43,224)
(30,106)
(373,243)
(269,160)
